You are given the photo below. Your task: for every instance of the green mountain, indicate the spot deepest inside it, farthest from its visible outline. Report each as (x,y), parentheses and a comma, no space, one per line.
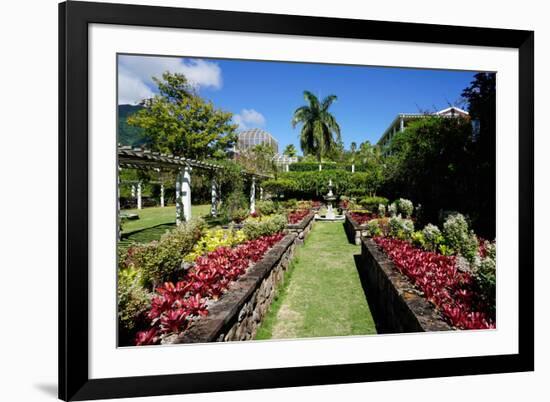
(129,135)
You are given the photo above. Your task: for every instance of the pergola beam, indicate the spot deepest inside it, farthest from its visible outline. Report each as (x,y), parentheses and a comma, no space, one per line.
(144,159)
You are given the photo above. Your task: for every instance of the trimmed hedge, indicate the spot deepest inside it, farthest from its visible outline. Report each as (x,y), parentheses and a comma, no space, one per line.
(314,167)
(308,185)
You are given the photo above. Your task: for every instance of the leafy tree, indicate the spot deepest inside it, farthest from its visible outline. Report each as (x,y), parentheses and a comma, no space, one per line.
(320,132)
(433,162)
(290,151)
(481,98)
(258,159)
(180,122)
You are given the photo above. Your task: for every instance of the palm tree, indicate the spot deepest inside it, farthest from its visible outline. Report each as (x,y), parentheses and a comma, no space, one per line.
(318,125)
(290,151)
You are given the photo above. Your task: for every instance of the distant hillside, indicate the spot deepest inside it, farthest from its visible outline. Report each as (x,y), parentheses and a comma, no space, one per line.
(128,135)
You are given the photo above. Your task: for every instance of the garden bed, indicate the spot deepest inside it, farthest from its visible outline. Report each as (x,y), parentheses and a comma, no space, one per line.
(238,313)
(302,228)
(354,230)
(395,303)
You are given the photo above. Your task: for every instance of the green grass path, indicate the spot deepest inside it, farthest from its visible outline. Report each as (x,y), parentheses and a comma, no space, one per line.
(322,293)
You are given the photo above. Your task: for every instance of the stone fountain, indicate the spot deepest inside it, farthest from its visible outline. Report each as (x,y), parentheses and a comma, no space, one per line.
(329,198)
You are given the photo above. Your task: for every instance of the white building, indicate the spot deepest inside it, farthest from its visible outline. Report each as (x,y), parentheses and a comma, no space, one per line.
(402,119)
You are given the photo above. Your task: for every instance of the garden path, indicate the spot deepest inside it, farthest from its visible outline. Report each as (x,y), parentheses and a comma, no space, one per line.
(322,294)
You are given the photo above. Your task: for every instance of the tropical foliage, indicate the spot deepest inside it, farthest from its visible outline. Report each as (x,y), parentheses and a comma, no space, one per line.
(451,291)
(290,151)
(175,305)
(180,122)
(320,132)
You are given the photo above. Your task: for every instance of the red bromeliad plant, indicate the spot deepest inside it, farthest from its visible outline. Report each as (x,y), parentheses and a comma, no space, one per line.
(174,306)
(450,290)
(295,217)
(362,217)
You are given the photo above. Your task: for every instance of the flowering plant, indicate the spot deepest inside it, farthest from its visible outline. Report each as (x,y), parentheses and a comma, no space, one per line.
(175,305)
(451,291)
(362,217)
(213,239)
(295,217)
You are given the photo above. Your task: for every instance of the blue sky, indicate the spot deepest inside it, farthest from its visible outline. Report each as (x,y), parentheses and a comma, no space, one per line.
(265,94)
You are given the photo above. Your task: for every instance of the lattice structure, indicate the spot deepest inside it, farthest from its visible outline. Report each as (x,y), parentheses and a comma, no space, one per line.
(140,158)
(256,136)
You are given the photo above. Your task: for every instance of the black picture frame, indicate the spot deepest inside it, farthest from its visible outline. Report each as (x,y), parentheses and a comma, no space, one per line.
(74,18)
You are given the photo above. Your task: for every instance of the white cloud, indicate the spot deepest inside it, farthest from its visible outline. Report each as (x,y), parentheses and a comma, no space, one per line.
(136,72)
(249,118)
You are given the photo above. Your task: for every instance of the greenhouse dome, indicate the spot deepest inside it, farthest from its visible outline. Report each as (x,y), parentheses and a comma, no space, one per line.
(256,136)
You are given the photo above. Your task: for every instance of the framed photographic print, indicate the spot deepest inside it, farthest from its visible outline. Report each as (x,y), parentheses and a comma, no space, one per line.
(258,200)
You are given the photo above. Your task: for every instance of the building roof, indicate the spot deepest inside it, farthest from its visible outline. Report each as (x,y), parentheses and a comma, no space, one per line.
(451,111)
(256,136)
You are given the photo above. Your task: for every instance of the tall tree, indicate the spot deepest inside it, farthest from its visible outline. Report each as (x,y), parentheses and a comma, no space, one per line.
(481,98)
(320,132)
(180,122)
(290,151)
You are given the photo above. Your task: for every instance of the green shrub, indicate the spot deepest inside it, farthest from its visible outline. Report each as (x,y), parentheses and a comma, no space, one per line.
(234,207)
(266,207)
(279,187)
(239,215)
(263,226)
(311,185)
(446,250)
(485,273)
(401,228)
(303,204)
(405,207)
(314,166)
(372,203)
(418,239)
(373,228)
(432,236)
(290,204)
(381,210)
(160,261)
(392,209)
(214,238)
(459,238)
(133,299)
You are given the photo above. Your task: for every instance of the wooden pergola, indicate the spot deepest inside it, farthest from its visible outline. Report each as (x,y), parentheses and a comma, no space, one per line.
(144,159)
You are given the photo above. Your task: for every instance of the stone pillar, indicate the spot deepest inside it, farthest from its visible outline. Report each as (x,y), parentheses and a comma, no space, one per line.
(139,195)
(353,168)
(179,203)
(213,207)
(133,190)
(162,195)
(320,167)
(186,193)
(253,195)
(261,193)
(287,167)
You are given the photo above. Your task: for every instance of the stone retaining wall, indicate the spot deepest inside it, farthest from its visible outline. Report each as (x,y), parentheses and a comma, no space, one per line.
(303,228)
(395,304)
(238,313)
(354,231)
